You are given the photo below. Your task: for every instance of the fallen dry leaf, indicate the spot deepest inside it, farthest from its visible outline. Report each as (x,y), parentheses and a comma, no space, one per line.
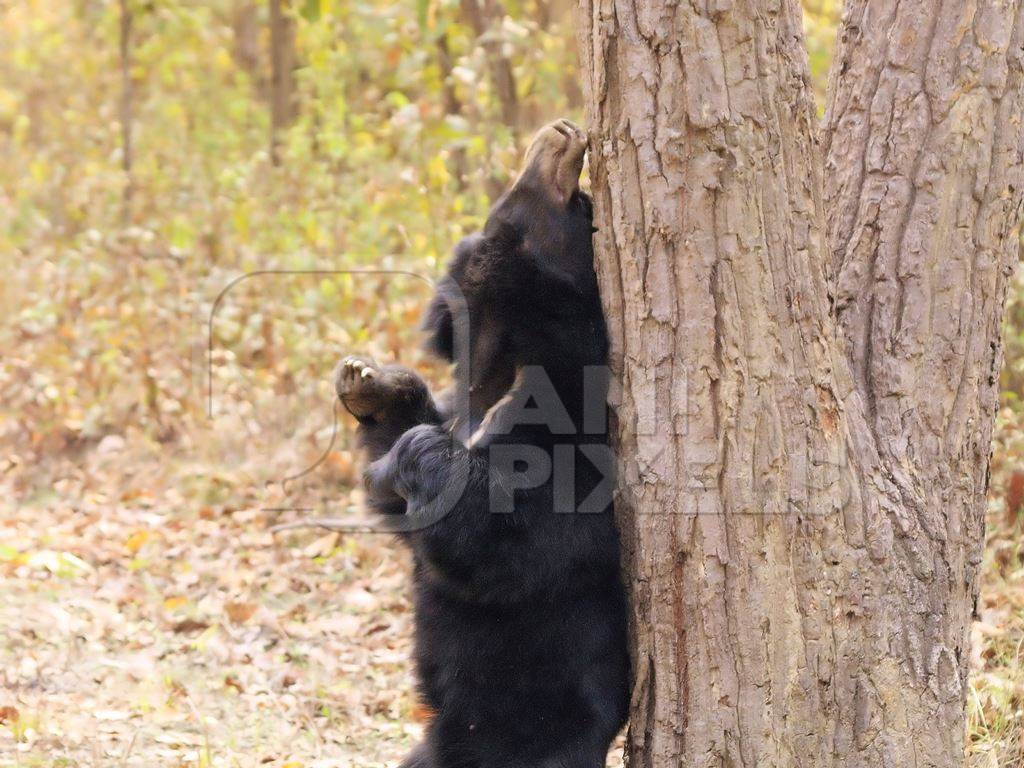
(230,681)
(175,602)
(239,613)
(421,713)
(137,540)
(189,625)
(322,546)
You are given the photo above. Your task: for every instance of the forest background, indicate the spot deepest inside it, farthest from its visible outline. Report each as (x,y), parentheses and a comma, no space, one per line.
(203,206)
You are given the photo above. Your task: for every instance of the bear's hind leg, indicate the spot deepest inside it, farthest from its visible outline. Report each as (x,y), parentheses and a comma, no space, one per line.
(420,757)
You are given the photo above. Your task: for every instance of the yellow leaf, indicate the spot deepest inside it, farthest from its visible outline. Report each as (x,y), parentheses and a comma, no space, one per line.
(437,170)
(174,603)
(137,540)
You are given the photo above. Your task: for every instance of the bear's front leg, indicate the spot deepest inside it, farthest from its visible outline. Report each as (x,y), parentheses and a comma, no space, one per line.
(418,467)
(480,553)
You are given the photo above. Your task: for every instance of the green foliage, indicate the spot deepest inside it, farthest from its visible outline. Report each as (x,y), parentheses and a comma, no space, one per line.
(820,20)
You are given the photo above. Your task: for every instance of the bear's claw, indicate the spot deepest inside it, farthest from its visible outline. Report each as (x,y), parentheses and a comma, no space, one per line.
(357,382)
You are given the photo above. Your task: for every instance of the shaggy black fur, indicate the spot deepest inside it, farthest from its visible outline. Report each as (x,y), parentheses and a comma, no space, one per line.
(520,614)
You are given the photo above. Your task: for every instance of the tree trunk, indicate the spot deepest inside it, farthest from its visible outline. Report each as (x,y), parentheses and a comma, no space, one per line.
(282,75)
(484,17)
(127,98)
(245,48)
(808,368)
(452,106)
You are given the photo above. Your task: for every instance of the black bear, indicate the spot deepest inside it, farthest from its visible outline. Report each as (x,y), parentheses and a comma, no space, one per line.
(505,497)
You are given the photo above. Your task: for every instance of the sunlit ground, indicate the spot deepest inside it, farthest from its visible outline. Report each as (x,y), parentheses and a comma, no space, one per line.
(147,615)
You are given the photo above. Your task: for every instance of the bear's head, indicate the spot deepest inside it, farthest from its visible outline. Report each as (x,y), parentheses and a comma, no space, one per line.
(523,292)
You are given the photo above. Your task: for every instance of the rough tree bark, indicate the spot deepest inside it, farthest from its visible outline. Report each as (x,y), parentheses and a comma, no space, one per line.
(808,364)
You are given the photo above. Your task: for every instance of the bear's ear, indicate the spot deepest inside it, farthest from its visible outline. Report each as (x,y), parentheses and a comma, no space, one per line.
(439,327)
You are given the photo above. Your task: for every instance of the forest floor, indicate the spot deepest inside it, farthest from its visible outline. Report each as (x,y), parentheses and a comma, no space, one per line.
(139,628)
(144,631)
